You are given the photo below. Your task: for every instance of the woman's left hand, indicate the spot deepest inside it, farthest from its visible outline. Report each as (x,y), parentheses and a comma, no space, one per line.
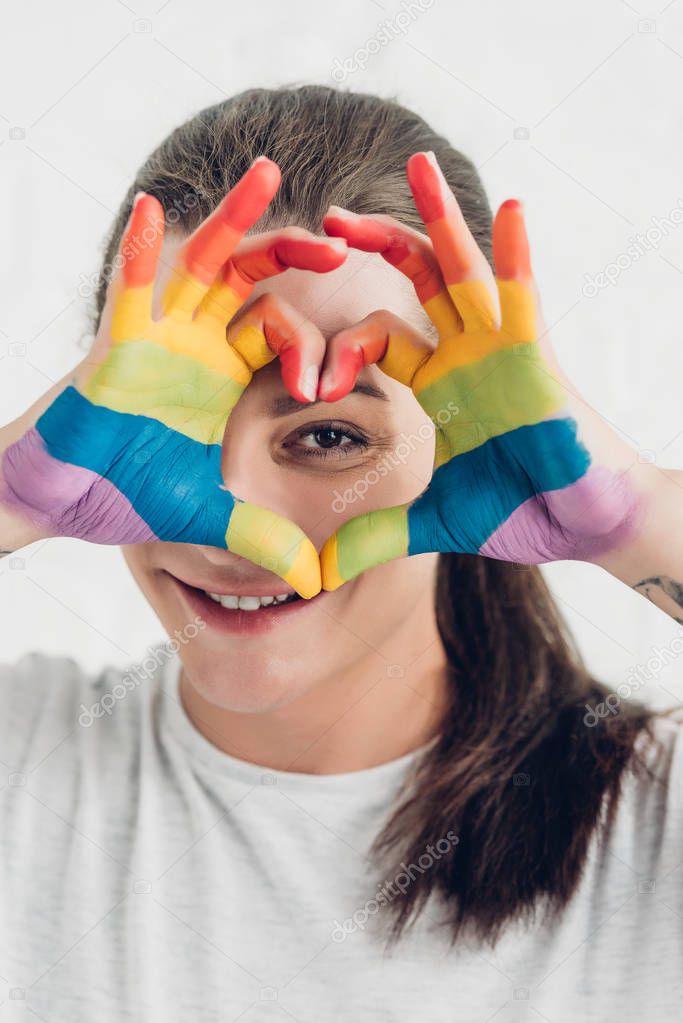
(525,470)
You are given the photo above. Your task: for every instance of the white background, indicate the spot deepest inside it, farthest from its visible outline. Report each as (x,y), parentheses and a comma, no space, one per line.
(573,107)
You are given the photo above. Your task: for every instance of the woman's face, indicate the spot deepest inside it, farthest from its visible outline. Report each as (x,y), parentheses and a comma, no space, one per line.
(319,465)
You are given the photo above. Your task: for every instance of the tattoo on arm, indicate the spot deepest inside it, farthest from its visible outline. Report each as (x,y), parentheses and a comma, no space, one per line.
(657,585)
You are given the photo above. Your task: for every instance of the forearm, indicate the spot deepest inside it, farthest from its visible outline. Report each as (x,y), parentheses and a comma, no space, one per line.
(652,562)
(16,526)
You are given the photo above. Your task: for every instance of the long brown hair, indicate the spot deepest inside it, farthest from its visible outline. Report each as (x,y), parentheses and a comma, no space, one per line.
(515,775)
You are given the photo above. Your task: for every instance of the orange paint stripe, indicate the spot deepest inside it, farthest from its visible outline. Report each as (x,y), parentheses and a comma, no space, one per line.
(426,184)
(426,287)
(142,241)
(455,261)
(213,243)
(510,243)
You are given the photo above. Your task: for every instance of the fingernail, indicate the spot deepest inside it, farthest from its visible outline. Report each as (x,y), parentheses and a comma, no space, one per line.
(325,384)
(308,384)
(511,204)
(137,197)
(339,211)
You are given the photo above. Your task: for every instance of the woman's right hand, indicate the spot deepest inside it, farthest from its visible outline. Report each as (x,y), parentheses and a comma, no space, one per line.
(130,450)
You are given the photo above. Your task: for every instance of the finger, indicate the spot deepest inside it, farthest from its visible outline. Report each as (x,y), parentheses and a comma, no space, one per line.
(271,326)
(513,270)
(214,241)
(263,256)
(362,543)
(465,270)
(275,543)
(137,262)
(381,338)
(408,251)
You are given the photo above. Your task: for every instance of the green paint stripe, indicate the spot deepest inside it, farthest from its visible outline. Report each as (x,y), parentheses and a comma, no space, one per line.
(371,539)
(501,392)
(142,378)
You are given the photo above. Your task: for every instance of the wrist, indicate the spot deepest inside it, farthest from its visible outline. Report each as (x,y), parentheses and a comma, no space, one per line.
(17,529)
(654,543)
(21,523)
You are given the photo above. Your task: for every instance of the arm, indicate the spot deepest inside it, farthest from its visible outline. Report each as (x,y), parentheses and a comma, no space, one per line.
(16,530)
(652,564)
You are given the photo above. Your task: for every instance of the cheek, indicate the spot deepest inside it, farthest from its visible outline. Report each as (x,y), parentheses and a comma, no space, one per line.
(396,475)
(321,504)
(136,557)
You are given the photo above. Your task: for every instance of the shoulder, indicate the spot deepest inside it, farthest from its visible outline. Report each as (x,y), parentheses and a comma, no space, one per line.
(38,697)
(50,704)
(648,824)
(657,769)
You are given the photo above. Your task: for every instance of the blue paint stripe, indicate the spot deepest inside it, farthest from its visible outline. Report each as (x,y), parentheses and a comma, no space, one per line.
(173,482)
(476,492)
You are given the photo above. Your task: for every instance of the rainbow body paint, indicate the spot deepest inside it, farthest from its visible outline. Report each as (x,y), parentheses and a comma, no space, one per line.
(131,451)
(512,478)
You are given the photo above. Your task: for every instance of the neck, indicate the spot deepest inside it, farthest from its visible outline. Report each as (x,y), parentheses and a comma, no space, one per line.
(373,712)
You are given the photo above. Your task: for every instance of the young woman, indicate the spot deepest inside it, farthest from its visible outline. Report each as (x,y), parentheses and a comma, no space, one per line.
(358,784)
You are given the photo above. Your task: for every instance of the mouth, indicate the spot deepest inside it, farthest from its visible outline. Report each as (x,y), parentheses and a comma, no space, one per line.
(248,602)
(244,613)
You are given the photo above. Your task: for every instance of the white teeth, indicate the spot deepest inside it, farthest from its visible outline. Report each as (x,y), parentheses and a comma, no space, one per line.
(247,603)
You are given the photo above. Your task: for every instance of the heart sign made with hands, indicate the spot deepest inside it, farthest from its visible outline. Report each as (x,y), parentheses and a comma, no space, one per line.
(523,471)
(131,450)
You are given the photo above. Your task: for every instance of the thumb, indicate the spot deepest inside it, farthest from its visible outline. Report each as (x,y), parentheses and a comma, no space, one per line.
(364,542)
(274,543)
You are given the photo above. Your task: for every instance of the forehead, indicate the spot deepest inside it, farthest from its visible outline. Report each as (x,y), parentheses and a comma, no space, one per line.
(342,297)
(333,300)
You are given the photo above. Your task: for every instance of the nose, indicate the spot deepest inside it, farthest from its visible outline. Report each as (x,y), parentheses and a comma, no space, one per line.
(235,567)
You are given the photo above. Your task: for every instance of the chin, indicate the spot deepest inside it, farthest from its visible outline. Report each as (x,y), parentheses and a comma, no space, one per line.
(254,682)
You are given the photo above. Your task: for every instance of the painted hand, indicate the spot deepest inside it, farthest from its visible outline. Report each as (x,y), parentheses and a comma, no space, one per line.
(131,450)
(514,476)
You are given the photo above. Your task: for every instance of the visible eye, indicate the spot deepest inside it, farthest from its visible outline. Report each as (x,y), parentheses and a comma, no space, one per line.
(326,440)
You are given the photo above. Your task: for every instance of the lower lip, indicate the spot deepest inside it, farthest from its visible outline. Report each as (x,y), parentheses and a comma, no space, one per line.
(237,622)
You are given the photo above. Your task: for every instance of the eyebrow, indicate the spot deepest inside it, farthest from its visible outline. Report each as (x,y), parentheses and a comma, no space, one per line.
(287,405)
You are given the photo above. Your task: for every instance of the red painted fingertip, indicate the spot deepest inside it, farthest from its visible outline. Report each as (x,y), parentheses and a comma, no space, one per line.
(311,253)
(338,380)
(339,211)
(141,243)
(248,199)
(301,383)
(337,221)
(511,255)
(327,254)
(427,185)
(360,232)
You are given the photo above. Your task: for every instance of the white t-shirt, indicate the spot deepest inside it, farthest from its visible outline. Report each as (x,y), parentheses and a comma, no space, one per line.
(148,876)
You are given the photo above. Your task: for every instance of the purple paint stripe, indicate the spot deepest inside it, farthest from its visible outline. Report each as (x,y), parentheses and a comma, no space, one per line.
(579,522)
(68,500)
